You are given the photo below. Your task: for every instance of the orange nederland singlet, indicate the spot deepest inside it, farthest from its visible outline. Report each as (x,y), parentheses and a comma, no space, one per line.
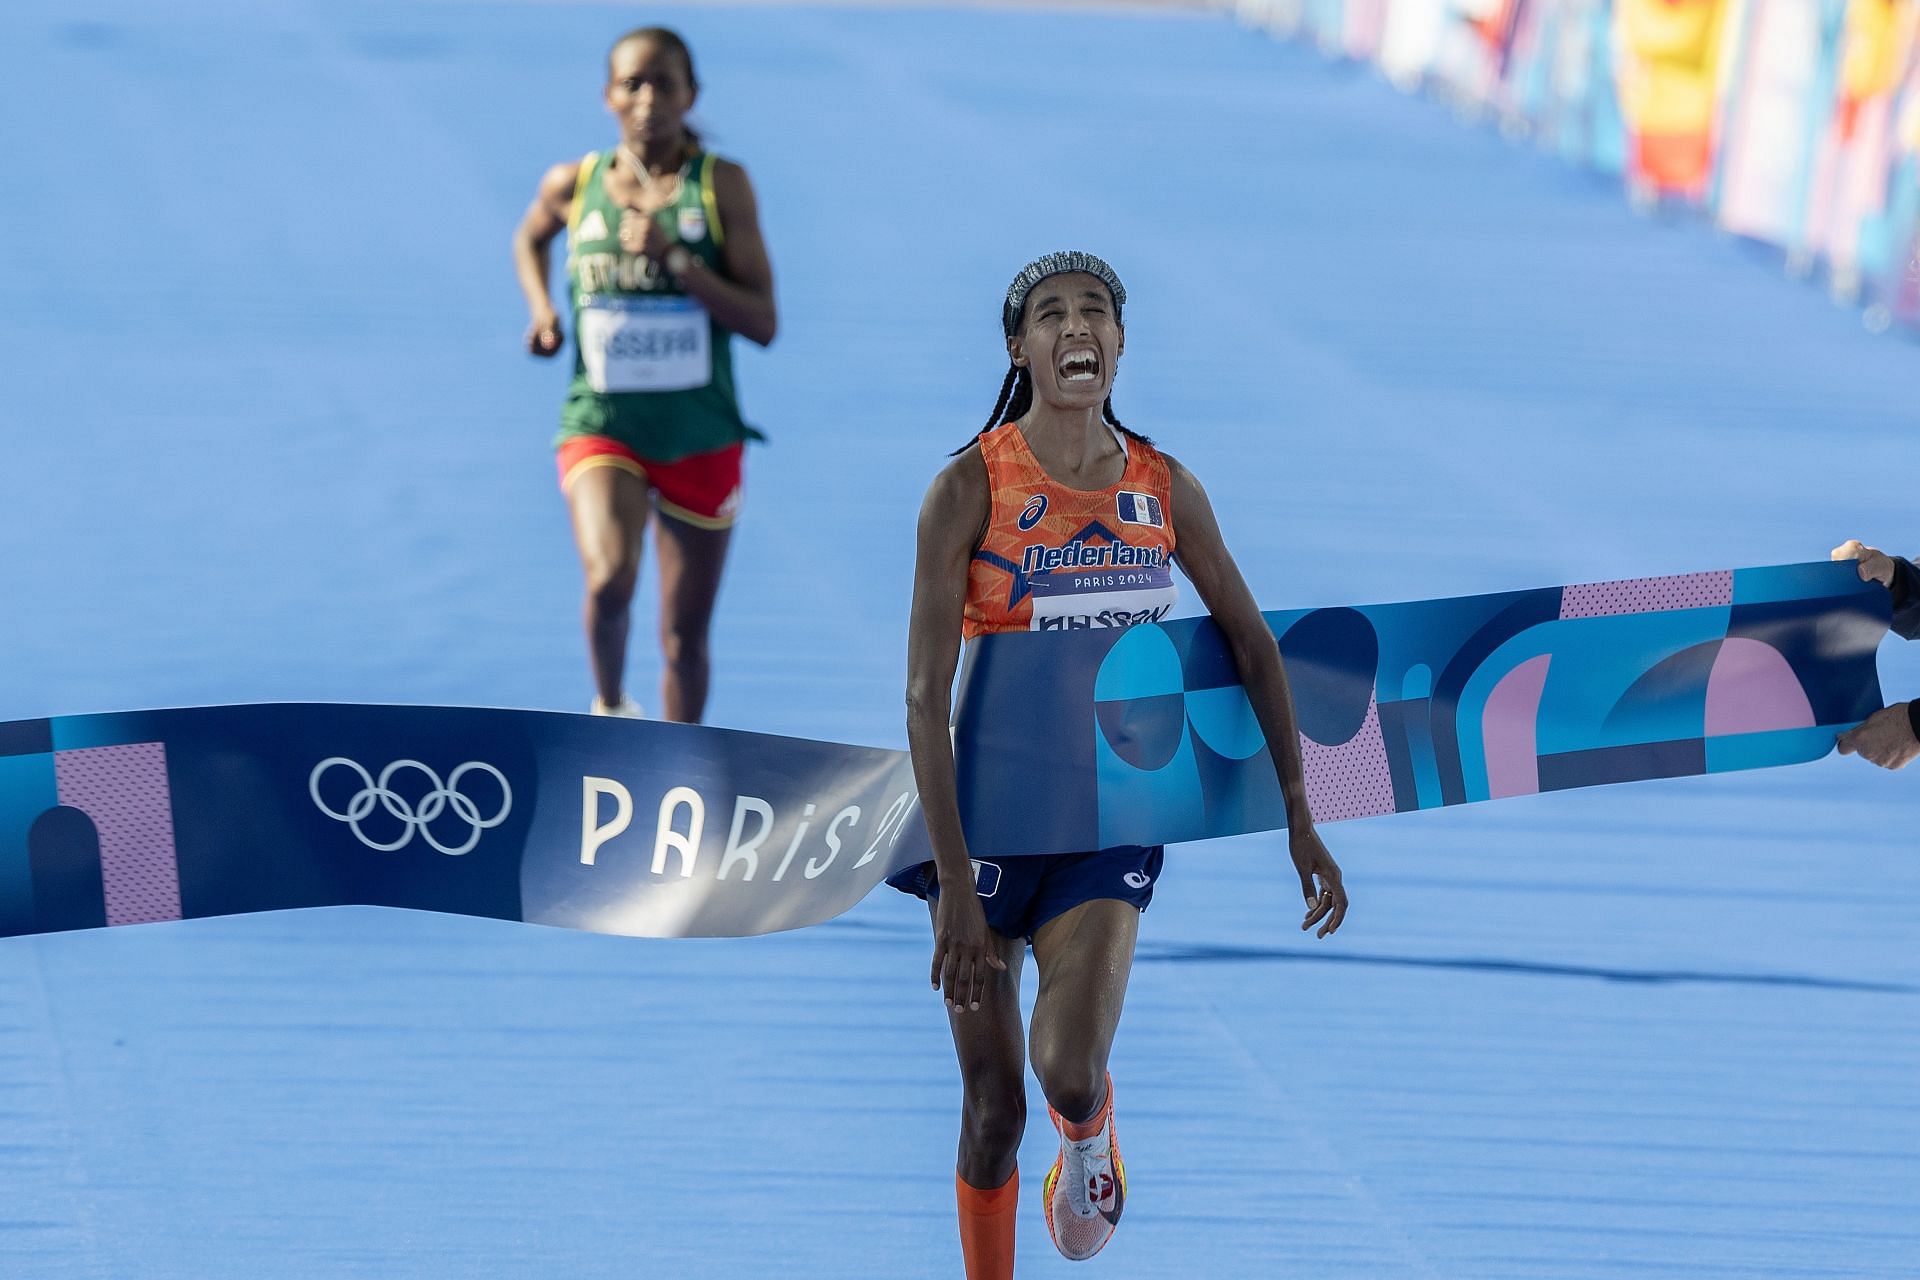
(1056,558)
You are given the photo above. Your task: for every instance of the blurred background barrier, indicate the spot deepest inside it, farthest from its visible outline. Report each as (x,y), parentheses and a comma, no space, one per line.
(1794,123)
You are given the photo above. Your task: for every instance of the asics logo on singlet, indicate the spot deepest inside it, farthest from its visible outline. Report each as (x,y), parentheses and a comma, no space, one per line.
(1137,879)
(418,815)
(1031,513)
(1081,554)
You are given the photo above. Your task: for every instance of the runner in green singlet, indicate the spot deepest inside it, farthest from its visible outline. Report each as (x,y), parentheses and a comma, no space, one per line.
(665,263)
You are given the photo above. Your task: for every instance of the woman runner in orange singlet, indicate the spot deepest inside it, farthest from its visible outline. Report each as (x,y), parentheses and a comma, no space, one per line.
(1052,464)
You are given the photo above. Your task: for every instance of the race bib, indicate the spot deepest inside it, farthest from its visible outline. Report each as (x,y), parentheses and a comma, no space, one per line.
(1067,601)
(645,344)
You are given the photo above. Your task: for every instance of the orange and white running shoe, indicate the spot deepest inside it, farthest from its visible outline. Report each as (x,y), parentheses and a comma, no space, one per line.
(1087,1187)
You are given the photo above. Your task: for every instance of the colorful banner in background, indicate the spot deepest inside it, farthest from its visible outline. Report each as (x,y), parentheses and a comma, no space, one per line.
(1067,742)
(1793,122)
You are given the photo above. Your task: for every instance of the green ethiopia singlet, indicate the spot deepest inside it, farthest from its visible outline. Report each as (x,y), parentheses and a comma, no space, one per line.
(651,368)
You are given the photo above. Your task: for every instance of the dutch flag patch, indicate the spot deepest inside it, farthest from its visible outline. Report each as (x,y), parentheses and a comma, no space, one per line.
(1139,508)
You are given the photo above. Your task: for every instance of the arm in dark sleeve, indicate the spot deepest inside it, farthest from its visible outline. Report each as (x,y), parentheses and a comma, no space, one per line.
(1906,598)
(1906,617)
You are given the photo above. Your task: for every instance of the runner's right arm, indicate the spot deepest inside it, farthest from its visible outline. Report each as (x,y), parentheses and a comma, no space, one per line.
(533,240)
(953,519)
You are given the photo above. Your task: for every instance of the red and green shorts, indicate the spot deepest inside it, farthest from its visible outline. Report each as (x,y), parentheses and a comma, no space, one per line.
(702,489)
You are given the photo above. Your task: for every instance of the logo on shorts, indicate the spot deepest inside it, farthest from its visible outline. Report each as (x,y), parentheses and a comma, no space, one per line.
(593,226)
(693,223)
(986,878)
(1030,514)
(1139,508)
(1137,879)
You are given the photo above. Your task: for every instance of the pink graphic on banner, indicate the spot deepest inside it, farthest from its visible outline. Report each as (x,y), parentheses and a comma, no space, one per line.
(1647,595)
(1507,730)
(1351,780)
(124,791)
(1752,689)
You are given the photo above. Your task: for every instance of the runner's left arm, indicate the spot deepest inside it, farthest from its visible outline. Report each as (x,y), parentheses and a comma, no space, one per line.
(1203,556)
(740,297)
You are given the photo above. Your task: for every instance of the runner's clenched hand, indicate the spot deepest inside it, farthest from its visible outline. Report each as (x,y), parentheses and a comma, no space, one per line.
(545,336)
(642,234)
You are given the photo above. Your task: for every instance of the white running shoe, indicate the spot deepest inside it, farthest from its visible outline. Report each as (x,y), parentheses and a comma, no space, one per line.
(1086,1189)
(626,708)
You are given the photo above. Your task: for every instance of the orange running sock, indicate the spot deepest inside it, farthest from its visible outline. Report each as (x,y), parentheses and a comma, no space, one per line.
(1080,1131)
(986,1227)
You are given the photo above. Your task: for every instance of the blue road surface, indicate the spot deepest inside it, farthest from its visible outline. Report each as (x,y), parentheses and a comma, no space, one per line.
(266,432)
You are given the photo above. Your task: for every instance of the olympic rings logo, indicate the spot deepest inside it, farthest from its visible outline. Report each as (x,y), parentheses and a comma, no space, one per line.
(415,817)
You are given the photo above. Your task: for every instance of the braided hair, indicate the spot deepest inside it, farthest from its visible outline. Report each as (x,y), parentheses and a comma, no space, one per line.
(1016,392)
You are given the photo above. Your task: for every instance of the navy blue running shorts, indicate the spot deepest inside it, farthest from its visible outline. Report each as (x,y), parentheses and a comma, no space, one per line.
(1021,894)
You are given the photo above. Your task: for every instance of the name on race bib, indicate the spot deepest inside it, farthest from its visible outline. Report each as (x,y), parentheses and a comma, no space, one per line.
(1126,597)
(645,344)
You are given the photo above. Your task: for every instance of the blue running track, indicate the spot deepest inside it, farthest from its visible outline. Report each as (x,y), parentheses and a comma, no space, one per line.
(266,433)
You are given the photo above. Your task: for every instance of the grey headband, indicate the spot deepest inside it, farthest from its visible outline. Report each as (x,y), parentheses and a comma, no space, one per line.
(1057,264)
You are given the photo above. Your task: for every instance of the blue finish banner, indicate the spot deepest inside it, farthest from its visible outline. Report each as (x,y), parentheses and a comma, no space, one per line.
(1144,736)
(1067,742)
(614,826)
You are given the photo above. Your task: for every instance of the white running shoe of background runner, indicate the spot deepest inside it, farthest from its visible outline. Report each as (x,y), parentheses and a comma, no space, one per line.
(626,708)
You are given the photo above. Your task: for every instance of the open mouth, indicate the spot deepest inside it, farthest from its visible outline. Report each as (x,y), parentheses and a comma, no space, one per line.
(1079,366)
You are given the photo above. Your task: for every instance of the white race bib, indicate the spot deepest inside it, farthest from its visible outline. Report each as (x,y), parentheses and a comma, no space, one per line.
(1068,601)
(645,344)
